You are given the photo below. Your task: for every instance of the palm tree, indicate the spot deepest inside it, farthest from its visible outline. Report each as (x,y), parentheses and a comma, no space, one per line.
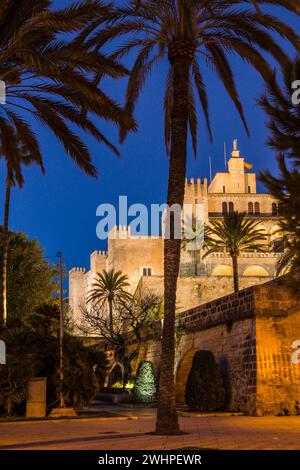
(189,33)
(49,78)
(284,124)
(110,288)
(13,176)
(234,233)
(284,116)
(285,188)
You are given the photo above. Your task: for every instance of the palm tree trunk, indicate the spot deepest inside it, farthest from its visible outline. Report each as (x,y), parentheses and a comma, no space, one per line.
(110,313)
(235,273)
(167,419)
(5,249)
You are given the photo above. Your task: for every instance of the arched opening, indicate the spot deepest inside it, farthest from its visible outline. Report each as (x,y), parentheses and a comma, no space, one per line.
(255,270)
(222,270)
(250,208)
(116,374)
(256,208)
(182,375)
(224,207)
(231,207)
(274,209)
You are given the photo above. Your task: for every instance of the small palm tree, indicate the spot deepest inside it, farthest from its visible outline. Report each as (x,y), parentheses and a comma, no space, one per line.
(234,233)
(189,35)
(109,289)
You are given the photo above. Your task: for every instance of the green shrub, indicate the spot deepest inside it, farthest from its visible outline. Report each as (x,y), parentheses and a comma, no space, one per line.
(204,389)
(145,383)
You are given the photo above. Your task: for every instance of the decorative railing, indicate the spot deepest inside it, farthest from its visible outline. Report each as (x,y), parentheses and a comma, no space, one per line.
(249,254)
(261,215)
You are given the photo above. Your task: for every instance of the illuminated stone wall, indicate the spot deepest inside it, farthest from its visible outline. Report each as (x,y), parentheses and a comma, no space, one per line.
(251,336)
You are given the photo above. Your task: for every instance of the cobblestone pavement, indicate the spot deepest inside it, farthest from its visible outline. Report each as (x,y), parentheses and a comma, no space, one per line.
(222,432)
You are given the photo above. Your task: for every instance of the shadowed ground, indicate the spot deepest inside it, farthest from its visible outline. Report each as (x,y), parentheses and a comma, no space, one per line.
(209,432)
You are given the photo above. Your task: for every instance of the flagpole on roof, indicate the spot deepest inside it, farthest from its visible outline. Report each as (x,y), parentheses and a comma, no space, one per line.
(225,155)
(210,169)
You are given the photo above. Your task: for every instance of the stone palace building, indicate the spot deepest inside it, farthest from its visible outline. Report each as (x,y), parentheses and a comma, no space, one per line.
(201,280)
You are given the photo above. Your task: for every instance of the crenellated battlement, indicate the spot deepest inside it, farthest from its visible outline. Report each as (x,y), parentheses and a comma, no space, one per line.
(100,253)
(120,232)
(197,186)
(77,270)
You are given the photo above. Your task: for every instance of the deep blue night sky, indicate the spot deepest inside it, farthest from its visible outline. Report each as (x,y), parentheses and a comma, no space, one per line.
(59,208)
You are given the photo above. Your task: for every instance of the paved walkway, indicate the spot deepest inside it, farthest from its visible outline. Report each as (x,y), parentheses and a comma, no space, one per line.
(222,432)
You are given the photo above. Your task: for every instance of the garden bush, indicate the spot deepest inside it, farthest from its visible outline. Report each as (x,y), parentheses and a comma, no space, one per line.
(145,383)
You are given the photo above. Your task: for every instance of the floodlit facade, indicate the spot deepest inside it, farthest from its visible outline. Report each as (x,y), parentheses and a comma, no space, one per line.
(200,280)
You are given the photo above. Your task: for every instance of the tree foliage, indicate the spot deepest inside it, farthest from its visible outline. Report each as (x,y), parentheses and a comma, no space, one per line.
(284,124)
(48,75)
(33,351)
(31,278)
(131,315)
(234,233)
(214,29)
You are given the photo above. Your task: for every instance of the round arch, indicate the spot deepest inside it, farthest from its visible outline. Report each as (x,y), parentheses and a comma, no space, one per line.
(256,270)
(182,375)
(222,270)
(116,374)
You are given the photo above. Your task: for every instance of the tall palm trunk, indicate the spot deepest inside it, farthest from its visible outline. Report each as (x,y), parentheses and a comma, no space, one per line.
(167,419)
(110,313)
(5,248)
(235,273)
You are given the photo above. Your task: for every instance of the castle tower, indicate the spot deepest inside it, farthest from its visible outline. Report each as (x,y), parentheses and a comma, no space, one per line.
(98,262)
(195,192)
(236,180)
(77,292)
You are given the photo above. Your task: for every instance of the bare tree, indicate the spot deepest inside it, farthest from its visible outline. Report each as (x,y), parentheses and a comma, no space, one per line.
(130,317)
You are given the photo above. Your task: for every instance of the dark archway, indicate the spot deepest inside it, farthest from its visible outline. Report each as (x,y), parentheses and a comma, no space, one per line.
(182,375)
(115,375)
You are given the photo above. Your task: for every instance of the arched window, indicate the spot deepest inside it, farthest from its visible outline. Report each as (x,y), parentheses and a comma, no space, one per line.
(147,271)
(274,208)
(250,207)
(256,208)
(224,208)
(231,207)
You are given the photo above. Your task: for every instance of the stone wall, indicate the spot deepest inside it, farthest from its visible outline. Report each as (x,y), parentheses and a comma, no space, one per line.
(251,335)
(132,254)
(193,291)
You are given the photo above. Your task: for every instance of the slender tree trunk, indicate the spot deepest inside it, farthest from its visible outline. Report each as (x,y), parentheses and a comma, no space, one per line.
(5,249)
(167,419)
(110,313)
(235,273)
